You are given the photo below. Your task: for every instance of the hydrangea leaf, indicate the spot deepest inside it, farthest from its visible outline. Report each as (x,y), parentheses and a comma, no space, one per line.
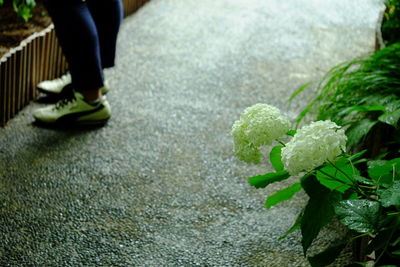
(327,256)
(261,181)
(390,117)
(282,195)
(319,210)
(291,132)
(360,215)
(392,113)
(363,180)
(342,182)
(384,172)
(358,131)
(391,196)
(275,157)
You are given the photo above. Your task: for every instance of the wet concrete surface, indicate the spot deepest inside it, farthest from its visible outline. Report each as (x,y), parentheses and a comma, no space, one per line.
(159,185)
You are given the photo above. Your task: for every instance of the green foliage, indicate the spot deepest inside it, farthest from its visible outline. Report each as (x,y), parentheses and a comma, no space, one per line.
(360,215)
(391,22)
(275,158)
(319,210)
(282,195)
(261,181)
(368,204)
(384,172)
(363,189)
(363,95)
(342,171)
(23,8)
(359,130)
(390,196)
(327,256)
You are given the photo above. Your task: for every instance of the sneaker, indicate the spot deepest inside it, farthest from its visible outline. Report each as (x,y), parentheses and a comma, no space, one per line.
(55,86)
(62,84)
(75,110)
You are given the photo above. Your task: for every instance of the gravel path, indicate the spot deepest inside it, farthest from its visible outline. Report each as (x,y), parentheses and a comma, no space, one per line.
(159,186)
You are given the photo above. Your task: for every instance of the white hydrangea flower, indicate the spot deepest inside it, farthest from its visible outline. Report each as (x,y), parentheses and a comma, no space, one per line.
(259,125)
(313,145)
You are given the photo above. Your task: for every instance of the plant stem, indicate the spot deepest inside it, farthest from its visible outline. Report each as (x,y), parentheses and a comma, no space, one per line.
(364,234)
(280,142)
(367,186)
(396,225)
(351,185)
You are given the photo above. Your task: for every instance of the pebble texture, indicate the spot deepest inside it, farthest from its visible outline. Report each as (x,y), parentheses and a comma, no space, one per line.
(159,185)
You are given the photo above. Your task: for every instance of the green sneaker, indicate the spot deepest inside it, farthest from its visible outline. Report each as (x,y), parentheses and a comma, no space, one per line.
(62,84)
(75,110)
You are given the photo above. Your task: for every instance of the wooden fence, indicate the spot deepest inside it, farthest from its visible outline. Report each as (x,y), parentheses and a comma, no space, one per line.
(37,58)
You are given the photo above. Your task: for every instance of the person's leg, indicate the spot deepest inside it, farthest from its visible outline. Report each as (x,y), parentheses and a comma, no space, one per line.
(107,15)
(78,37)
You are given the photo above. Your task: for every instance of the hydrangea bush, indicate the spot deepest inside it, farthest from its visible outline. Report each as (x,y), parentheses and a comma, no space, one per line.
(366,202)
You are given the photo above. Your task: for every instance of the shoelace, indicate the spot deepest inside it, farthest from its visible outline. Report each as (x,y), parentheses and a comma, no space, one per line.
(69,99)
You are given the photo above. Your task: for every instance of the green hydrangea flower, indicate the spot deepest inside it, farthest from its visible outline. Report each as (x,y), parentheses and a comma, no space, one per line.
(312,146)
(259,125)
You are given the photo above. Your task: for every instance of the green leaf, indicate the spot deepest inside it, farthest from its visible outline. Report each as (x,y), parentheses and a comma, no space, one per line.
(365,108)
(282,195)
(397,252)
(357,155)
(358,131)
(276,158)
(319,210)
(391,196)
(261,181)
(384,172)
(296,226)
(328,255)
(298,91)
(24,13)
(342,182)
(291,132)
(1,2)
(390,117)
(363,180)
(360,215)
(31,3)
(303,114)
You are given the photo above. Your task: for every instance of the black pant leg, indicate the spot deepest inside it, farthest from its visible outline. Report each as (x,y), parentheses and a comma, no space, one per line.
(107,15)
(78,37)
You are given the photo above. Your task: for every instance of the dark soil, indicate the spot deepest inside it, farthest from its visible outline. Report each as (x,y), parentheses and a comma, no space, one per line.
(13,31)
